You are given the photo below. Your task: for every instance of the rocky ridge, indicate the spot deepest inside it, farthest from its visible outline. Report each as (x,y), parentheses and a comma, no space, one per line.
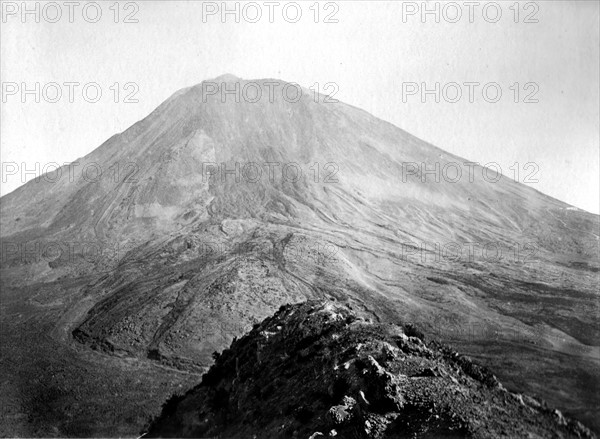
(319,369)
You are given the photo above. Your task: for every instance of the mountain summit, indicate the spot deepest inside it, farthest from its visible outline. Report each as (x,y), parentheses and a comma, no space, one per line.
(235,197)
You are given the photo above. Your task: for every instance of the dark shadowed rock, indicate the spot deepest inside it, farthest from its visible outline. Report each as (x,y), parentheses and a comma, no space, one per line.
(318,370)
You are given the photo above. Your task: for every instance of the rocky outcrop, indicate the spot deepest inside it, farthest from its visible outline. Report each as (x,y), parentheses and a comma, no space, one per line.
(317,369)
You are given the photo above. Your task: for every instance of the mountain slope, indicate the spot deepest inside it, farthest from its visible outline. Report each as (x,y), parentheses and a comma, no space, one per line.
(191,256)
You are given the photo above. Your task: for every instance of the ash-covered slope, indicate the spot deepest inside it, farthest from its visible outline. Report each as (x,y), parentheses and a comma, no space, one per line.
(151,180)
(318,369)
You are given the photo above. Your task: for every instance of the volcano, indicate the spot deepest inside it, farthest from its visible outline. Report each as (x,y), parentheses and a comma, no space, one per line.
(125,271)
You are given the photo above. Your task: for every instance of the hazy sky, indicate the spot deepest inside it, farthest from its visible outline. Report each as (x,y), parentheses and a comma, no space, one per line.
(369,53)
